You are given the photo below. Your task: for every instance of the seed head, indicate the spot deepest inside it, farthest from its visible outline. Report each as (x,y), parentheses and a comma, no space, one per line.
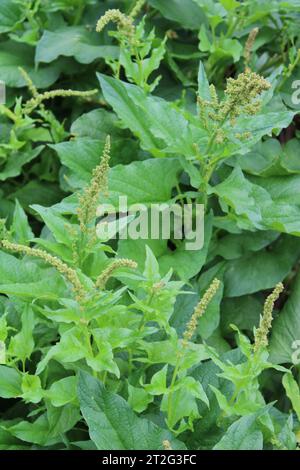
(32,88)
(261,334)
(38,99)
(123,22)
(108,272)
(167,445)
(137,8)
(242,95)
(88,201)
(200,310)
(249,45)
(69,273)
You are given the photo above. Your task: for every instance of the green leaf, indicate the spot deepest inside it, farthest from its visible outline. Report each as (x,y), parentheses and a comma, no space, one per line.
(32,388)
(61,419)
(138,398)
(282,189)
(21,345)
(151,271)
(14,55)
(285,336)
(20,227)
(10,382)
(244,434)
(17,160)
(63,391)
(36,432)
(244,312)
(56,224)
(293,392)
(146,182)
(263,271)
(159,125)
(158,385)
(264,159)
(234,246)
(69,349)
(73,41)
(10,14)
(113,425)
(184,12)
(203,83)
(27,280)
(253,205)
(36,192)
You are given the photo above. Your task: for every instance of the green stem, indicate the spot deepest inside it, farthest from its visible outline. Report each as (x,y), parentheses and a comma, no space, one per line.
(172,384)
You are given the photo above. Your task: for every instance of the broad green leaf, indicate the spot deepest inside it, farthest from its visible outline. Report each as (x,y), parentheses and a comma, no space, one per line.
(27,280)
(138,399)
(284,343)
(56,224)
(69,349)
(293,392)
(254,207)
(120,428)
(159,125)
(234,246)
(158,385)
(263,271)
(36,432)
(244,312)
(14,55)
(10,382)
(282,189)
(10,14)
(73,41)
(244,434)
(236,192)
(48,428)
(96,125)
(290,157)
(62,419)
(17,160)
(184,12)
(63,391)
(36,192)
(32,388)
(151,271)
(146,182)
(264,159)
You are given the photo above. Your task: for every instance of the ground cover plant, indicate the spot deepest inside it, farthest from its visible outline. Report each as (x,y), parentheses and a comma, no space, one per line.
(126,343)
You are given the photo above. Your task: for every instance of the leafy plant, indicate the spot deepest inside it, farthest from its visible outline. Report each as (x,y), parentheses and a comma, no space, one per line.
(114,343)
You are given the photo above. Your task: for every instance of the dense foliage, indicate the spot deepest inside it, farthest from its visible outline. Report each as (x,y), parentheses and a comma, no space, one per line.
(113,343)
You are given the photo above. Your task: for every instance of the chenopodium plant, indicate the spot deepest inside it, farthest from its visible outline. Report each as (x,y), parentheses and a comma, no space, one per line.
(179,390)
(219,127)
(30,122)
(246,397)
(88,299)
(65,319)
(140,52)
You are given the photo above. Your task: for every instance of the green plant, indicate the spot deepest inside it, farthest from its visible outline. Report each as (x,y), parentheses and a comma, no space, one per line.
(109,342)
